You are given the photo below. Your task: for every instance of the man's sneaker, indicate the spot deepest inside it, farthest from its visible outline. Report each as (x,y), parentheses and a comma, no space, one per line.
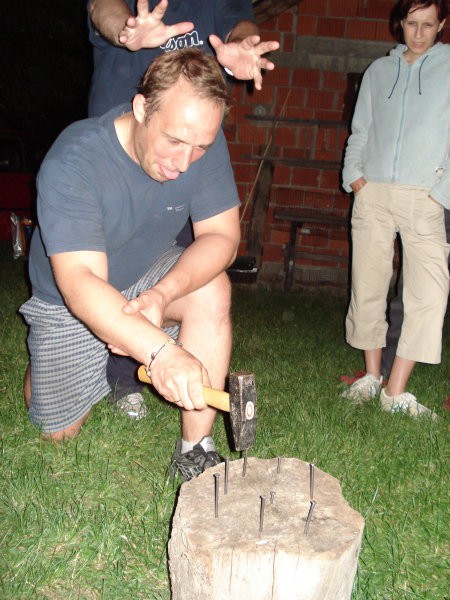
(192,463)
(132,406)
(364,388)
(405,403)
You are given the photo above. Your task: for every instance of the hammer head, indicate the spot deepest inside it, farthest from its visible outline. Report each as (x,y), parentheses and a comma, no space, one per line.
(243,409)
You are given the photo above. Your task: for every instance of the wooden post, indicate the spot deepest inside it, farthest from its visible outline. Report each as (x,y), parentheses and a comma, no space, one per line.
(258,219)
(227,552)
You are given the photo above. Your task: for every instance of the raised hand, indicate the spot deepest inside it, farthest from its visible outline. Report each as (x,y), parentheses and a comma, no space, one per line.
(147,30)
(245,58)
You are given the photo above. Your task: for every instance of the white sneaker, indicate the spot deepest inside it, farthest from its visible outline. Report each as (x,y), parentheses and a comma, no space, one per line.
(363,389)
(405,403)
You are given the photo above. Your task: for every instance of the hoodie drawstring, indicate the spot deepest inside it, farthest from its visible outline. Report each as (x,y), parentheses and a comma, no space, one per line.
(420,69)
(395,83)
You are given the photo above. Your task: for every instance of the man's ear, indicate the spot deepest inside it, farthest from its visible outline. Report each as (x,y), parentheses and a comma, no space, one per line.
(139,108)
(441,25)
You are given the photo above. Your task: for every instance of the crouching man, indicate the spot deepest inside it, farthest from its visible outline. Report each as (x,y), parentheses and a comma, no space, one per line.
(113,193)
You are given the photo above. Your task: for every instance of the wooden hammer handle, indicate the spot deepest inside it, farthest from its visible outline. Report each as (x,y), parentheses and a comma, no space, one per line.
(215,398)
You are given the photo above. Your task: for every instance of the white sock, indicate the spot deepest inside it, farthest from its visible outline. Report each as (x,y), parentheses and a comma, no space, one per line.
(206,442)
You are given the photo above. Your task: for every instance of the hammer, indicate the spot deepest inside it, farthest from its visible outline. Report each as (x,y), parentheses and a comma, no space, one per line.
(240,403)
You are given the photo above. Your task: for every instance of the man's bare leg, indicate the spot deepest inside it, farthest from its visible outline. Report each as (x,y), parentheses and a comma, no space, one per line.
(206,333)
(57,436)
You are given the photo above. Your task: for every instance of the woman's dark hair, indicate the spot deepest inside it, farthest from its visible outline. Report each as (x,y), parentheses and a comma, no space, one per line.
(402,8)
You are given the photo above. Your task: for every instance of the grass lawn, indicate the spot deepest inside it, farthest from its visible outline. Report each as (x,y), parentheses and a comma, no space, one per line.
(90,518)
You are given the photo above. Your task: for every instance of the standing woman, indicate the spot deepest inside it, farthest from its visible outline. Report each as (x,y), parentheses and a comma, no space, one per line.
(398,166)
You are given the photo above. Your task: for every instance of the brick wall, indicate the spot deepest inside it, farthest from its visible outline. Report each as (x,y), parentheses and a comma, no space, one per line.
(302,87)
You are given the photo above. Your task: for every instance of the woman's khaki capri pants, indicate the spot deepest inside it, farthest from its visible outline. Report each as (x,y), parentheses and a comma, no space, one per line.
(380,211)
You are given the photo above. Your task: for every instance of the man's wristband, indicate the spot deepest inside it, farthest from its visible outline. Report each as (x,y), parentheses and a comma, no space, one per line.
(153,355)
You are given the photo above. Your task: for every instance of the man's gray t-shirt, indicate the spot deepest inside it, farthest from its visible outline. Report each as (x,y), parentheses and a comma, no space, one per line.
(93,196)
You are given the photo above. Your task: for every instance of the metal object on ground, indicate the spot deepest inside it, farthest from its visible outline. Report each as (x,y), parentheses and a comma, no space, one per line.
(227,470)
(308,518)
(311,481)
(261,513)
(240,403)
(272,497)
(216,495)
(278,464)
(244,466)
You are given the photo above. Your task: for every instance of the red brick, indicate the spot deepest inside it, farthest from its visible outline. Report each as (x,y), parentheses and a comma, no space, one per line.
(288,196)
(307,26)
(343,8)
(286,136)
(282,175)
(238,151)
(320,99)
(286,22)
(329,180)
(328,115)
(319,200)
(230,131)
(250,134)
(296,97)
(312,7)
(269,25)
(446,37)
(342,201)
(287,43)
(331,27)
(313,239)
(279,76)
(377,9)
(297,112)
(306,177)
(383,34)
(273,253)
(341,245)
(359,29)
(266,95)
(244,173)
(242,249)
(237,91)
(334,81)
(277,236)
(309,78)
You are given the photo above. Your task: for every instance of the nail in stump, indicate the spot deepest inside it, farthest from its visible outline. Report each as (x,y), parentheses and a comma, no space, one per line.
(216,494)
(308,518)
(227,470)
(261,513)
(311,481)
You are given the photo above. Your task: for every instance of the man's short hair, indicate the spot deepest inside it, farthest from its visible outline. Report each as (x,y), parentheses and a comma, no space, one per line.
(199,69)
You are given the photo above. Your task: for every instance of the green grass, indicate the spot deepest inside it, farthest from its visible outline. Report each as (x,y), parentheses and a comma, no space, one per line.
(90,518)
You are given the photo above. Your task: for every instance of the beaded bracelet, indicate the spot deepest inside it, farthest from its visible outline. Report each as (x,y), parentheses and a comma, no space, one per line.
(153,355)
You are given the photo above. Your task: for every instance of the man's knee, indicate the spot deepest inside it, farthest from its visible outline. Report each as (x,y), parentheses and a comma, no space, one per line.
(213,299)
(67,433)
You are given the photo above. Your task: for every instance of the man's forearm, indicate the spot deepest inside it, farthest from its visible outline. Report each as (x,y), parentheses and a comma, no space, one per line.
(109,18)
(99,306)
(242,30)
(206,258)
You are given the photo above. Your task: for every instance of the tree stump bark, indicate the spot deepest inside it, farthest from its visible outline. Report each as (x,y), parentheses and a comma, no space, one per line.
(236,557)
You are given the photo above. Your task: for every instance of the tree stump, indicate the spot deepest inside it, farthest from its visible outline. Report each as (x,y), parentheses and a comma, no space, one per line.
(238,555)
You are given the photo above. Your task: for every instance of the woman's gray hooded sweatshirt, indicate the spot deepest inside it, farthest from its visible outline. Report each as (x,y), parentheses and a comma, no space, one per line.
(401,126)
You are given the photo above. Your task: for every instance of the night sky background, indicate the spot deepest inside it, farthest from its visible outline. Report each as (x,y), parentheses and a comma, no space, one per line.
(45,65)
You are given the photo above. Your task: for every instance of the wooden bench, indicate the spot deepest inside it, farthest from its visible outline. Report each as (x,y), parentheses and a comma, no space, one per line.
(298,217)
